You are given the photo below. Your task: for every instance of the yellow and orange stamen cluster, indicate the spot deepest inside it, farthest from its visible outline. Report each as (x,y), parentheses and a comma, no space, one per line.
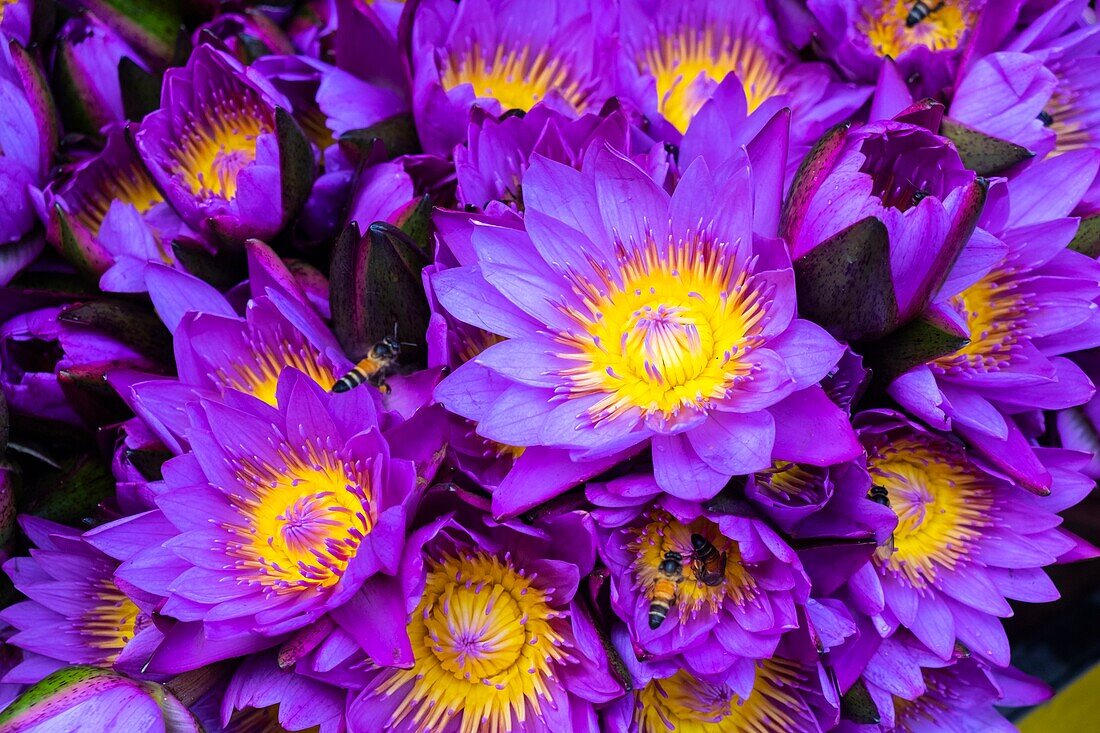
(257,373)
(996,310)
(302,518)
(943,503)
(110,622)
(684,63)
(91,201)
(791,483)
(662,533)
(670,328)
(883,22)
(686,704)
(518,78)
(219,141)
(489,645)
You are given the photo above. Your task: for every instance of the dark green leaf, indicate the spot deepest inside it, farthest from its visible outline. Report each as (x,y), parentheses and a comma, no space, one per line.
(981,153)
(920,341)
(140,89)
(857,706)
(845,284)
(223,270)
(295,163)
(132,323)
(148,462)
(71,494)
(348,268)
(415,221)
(1087,239)
(397,134)
(150,26)
(83,251)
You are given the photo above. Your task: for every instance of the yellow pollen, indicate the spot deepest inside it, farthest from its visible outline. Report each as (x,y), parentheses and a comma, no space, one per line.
(488,648)
(216,146)
(941,499)
(668,330)
(684,704)
(790,482)
(660,534)
(996,314)
(301,522)
(131,185)
(686,65)
(942,29)
(109,624)
(1067,107)
(518,77)
(259,374)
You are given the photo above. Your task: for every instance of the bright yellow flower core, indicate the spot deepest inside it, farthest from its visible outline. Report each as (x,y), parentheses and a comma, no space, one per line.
(488,646)
(109,624)
(883,22)
(686,66)
(131,185)
(684,704)
(660,534)
(668,330)
(518,78)
(941,499)
(302,520)
(996,313)
(257,373)
(217,143)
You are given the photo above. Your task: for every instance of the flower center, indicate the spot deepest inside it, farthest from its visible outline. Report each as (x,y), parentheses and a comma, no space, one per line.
(668,330)
(689,64)
(108,625)
(686,704)
(791,484)
(488,645)
(940,25)
(302,521)
(1073,109)
(661,534)
(996,312)
(942,502)
(93,198)
(518,78)
(257,373)
(218,143)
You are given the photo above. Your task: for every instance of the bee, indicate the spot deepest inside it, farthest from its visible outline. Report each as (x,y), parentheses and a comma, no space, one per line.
(880,495)
(373,368)
(708,564)
(920,195)
(670,575)
(1045,118)
(920,11)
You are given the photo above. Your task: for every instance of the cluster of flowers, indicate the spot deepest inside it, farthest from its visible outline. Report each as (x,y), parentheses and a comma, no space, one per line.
(540,365)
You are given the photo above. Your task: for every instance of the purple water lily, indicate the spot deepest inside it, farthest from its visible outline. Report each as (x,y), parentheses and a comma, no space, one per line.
(215,151)
(502,55)
(718,625)
(967,538)
(310,504)
(661,321)
(76,613)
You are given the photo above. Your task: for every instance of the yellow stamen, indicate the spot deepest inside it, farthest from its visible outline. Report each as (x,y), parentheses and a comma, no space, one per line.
(669,329)
(516,77)
(686,64)
(996,315)
(942,29)
(219,142)
(488,647)
(790,483)
(258,373)
(660,534)
(130,185)
(1064,109)
(301,522)
(941,499)
(684,704)
(109,624)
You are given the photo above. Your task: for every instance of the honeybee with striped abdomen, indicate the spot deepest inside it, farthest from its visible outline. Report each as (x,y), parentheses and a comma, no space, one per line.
(670,573)
(920,11)
(708,564)
(373,368)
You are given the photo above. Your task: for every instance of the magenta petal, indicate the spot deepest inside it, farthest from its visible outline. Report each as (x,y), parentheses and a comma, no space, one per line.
(384,639)
(809,428)
(735,443)
(681,472)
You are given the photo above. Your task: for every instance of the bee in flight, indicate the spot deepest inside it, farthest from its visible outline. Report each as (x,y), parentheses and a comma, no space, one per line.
(708,564)
(670,573)
(373,368)
(920,11)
